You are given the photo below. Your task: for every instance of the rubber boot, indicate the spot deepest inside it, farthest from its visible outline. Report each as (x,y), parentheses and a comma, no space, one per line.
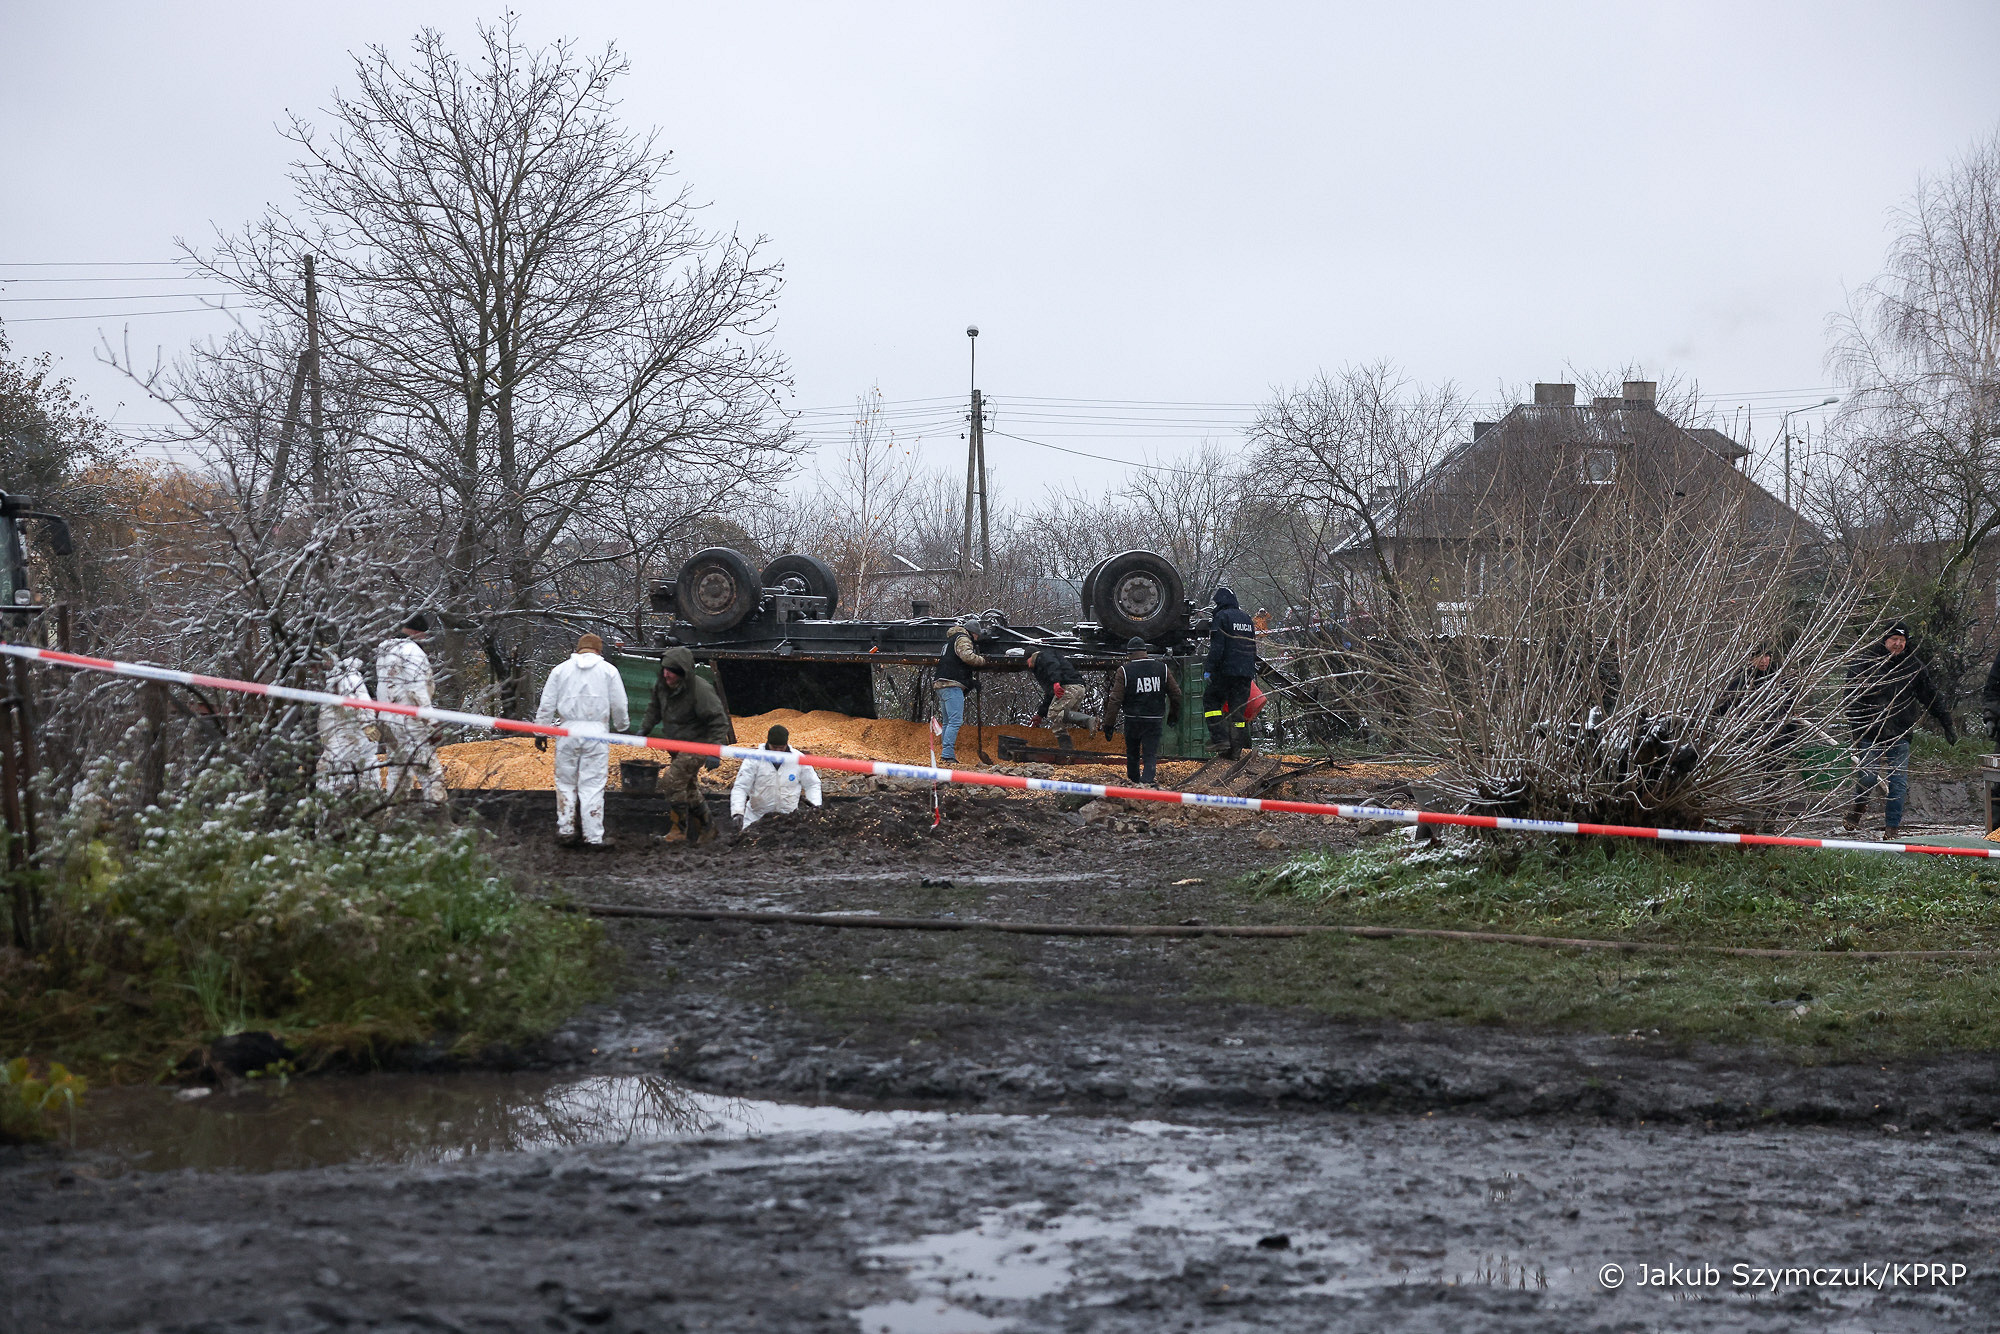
(676,822)
(1855,813)
(701,829)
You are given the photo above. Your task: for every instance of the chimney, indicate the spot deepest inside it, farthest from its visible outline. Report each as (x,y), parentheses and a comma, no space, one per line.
(1642,391)
(1555,395)
(1480,428)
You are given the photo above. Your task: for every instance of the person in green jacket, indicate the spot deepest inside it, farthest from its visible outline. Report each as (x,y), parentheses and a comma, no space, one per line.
(685,707)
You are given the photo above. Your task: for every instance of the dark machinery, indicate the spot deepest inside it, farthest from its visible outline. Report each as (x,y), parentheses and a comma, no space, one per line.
(775,639)
(18,602)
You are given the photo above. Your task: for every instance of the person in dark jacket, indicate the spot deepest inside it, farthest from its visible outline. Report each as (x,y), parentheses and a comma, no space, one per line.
(1061,706)
(1232,665)
(684,707)
(1888,689)
(1989,698)
(956,675)
(1145,688)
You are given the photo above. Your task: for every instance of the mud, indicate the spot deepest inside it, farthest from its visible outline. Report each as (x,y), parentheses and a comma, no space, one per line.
(1085,1139)
(989,1223)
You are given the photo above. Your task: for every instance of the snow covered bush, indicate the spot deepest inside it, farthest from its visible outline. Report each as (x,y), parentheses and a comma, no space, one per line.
(228,910)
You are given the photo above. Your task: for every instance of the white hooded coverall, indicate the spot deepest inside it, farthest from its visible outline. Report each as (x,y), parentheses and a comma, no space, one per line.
(403,675)
(346,751)
(772,787)
(585,692)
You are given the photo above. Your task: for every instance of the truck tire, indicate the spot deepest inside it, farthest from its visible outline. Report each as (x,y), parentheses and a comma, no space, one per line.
(814,573)
(1138,593)
(717,589)
(1089,589)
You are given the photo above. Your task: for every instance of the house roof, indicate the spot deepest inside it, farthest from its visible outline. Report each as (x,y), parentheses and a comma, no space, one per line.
(1608,423)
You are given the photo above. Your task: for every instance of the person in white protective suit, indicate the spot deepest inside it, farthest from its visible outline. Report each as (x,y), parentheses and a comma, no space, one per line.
(403,676)
(346,750)
(584,693)
(766,787)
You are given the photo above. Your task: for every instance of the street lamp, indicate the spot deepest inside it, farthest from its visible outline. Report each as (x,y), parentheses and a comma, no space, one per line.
(1784,429)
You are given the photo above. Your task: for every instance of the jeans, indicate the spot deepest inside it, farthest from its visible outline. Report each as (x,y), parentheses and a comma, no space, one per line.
(951,707)
(1874,762)
(1142,748)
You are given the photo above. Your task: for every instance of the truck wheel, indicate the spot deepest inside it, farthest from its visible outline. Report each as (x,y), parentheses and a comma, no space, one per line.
(1138,593)
(1089,589)
(815,577)
(717,589)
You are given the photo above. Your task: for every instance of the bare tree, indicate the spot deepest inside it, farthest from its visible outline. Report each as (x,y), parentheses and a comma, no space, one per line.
(1331,456)
(1913,466)
(538,320)
(1595,668)
(862,498)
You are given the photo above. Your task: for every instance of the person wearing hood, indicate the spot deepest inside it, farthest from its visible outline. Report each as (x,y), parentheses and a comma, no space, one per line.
(772,787)
(1150,697)
(585,694)
(1232,665)
(1062,700)
(346,750)
(684,707)
(403,676)
(1888,690)
(955,676)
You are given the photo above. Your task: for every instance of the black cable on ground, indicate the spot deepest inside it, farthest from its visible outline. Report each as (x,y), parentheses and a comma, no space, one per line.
(868,922)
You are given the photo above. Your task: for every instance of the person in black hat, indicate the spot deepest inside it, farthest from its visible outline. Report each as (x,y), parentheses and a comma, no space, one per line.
(1888,690)
(1150,696)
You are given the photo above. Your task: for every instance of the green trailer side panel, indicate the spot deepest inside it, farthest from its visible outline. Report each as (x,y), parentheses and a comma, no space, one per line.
(1187,739)
(639,675)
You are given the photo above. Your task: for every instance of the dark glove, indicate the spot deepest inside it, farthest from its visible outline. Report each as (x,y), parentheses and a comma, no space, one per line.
(711,762)
(542,743)
(1109,731)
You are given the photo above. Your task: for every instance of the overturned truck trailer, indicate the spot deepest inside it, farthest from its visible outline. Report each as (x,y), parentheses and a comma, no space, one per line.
(774,638)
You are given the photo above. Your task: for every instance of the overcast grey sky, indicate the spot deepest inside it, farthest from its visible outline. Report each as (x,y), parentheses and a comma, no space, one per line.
(1148,202)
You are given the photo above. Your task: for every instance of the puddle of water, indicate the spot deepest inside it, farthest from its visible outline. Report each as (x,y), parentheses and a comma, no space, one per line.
(930,1317)
(417,1119)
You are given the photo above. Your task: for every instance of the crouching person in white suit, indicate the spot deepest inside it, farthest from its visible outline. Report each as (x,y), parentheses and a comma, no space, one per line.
(585,693)
(772,787)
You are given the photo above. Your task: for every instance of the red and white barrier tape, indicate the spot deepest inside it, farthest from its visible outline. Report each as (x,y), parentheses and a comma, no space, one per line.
(917,773)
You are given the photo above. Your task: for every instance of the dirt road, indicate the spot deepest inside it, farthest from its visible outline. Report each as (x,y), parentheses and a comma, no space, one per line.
(1099,1142)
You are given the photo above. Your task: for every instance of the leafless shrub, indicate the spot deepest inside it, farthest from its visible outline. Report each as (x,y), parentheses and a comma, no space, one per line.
(1579,651)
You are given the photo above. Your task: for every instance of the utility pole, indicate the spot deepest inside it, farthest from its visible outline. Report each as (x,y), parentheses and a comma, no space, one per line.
(975,464)
(316,433)
(1785,430)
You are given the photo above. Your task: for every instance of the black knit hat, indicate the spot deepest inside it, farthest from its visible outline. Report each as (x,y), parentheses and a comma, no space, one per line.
(1896,628)
(418,622)
(1136,644)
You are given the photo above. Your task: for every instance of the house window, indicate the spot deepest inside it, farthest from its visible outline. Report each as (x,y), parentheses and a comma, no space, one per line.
(1599,466)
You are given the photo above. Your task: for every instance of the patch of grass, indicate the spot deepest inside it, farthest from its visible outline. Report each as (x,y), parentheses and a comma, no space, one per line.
(1932,754)
(30,1101)
(1822,902)
(220,914)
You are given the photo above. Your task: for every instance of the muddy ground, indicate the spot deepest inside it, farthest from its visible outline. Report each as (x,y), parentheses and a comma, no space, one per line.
(1123,1150)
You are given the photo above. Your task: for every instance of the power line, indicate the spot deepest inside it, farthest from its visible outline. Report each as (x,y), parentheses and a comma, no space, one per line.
(1104,458)
(120,314)
(116,296)
(91,263)
(123,278)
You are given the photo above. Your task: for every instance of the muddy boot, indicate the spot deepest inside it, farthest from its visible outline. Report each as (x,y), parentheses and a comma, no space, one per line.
(676,823)
(701,829)
(569,840)
(1853,818)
